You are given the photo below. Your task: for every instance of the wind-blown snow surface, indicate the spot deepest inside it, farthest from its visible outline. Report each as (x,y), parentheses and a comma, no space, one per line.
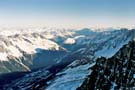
(109,52)
(70,78)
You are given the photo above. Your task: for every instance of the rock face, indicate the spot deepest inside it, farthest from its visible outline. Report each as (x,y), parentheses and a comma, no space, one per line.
(115,73)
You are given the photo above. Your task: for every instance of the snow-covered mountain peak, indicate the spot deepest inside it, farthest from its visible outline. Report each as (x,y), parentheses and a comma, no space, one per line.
(62,52)
(17,44)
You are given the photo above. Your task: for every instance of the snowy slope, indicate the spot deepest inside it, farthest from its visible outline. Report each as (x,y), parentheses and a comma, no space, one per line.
(83,45)
(115,73)
(73,75)
(20,47)
(70,78)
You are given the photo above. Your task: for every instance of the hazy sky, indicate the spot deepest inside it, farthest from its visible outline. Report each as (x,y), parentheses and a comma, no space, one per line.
(67,13)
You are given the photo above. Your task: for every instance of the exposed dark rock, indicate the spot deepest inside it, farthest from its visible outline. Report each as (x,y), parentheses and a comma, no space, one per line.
(116,73)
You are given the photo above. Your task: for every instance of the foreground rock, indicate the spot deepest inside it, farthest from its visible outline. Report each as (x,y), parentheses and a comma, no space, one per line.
(115,73)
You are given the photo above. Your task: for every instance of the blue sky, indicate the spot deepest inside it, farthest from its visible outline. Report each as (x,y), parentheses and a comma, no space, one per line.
(67,13)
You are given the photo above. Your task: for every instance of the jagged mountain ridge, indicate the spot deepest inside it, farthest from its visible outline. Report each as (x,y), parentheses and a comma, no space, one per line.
(21,46)
(115,73)
(84,53)
(18,48)
(83,56)
(21,49)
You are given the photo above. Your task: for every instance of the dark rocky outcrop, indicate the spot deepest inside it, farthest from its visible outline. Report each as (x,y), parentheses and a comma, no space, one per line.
(115,73)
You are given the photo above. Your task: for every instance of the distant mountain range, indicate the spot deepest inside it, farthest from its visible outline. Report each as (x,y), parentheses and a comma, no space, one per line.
(53,59)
